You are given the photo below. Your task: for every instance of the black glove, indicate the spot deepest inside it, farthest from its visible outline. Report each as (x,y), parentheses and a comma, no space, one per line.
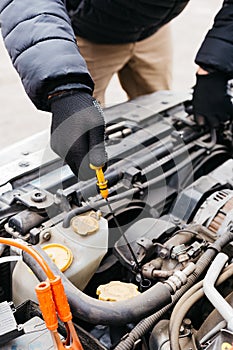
(211,104)
(77,132)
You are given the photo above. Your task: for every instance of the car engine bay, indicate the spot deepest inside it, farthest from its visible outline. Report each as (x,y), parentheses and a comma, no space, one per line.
(148,269)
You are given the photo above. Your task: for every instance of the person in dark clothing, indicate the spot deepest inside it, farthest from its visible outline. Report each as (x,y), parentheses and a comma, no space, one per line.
(42,45)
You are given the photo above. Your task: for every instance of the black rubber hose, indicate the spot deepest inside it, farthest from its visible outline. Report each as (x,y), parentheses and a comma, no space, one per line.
(222,241)
(105,312)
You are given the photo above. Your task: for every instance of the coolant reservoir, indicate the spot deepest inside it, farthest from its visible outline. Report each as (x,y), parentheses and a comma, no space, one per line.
(77,251)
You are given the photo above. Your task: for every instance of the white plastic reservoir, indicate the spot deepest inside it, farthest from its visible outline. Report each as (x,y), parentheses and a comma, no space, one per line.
(77,251)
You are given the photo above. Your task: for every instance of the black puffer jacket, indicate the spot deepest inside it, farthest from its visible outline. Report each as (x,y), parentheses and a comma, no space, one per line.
(121,21)
(216,51)
(42,46)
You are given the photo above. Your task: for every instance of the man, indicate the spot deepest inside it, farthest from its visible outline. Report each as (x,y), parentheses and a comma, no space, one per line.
(42,46)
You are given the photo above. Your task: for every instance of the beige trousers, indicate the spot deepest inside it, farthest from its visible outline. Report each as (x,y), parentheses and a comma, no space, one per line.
(142,67)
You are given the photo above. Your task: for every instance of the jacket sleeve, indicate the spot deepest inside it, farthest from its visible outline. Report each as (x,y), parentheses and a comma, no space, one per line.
(216,51)
(42,46)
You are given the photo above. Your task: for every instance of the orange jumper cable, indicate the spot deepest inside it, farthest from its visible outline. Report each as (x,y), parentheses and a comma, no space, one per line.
(52,299)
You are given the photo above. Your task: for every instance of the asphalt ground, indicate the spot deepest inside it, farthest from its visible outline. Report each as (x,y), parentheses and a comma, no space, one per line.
(20,119)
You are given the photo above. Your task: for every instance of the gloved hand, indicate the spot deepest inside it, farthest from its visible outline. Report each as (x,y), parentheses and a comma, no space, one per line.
(211,104)
(77,132)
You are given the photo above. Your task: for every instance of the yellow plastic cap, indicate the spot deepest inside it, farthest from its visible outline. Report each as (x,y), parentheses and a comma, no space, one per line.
(60,255)
(116,291)
(84,224)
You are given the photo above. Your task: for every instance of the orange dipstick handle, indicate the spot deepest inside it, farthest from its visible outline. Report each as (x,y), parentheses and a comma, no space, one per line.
(102,183)
(47,306)
(60,300)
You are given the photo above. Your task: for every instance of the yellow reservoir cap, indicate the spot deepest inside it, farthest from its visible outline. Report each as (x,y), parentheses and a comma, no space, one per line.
(59,254)
(84,225)
(116,291)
